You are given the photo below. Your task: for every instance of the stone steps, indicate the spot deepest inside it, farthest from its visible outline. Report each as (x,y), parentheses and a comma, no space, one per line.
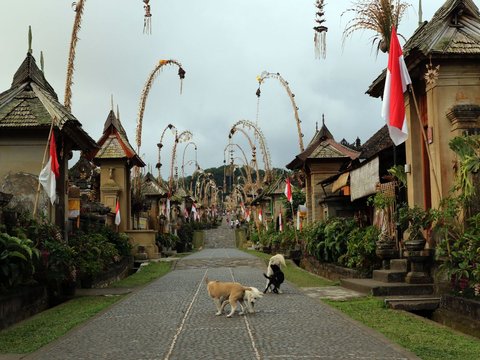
(389,276)
(380,288)
(413,303)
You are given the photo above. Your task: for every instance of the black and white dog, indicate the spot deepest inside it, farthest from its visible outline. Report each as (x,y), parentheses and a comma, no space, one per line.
(279,261)
(275,279)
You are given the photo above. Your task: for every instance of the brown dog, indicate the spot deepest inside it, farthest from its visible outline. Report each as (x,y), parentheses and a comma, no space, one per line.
(223,293)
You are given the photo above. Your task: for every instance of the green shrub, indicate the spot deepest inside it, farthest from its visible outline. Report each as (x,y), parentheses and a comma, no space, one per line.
(341,241)
(361,246)
(57,263)
(17,261)
(314,237)
(94,253)
(185,237)
(167,240)
(119,240)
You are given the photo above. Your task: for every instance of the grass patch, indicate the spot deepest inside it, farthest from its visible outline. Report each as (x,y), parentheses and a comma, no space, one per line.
(426,339)
(295,274)
(47,326)
(148,273)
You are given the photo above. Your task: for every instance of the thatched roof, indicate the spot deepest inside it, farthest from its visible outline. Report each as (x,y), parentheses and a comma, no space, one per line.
(452,33)
(31,103)
(379,141)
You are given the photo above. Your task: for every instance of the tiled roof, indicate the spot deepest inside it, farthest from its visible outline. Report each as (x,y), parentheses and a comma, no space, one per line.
(151,187)
(453,32)
(114,143)
(322,146)
(272,189)
(110,149)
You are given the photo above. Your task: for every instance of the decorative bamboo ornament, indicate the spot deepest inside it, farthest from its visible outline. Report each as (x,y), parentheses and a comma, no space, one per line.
(320,31)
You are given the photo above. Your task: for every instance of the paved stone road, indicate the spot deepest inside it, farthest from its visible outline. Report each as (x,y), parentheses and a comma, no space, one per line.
(174,318)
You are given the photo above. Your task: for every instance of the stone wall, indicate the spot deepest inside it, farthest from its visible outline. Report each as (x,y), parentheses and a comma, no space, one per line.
(21,303)
(328,270)
(460,314)
(116,272)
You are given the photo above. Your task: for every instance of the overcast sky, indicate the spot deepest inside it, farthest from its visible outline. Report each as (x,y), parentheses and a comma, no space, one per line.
(223,45)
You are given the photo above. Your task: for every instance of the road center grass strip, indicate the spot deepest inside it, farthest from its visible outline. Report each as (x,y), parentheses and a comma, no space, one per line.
(426,339)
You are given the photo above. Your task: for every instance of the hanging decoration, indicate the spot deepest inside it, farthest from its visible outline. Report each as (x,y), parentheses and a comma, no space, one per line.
(320,31)
(431,76)
(147,19)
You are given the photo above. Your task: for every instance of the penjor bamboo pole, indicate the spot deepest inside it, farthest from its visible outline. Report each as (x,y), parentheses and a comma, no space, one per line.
(424,136)
(43,165)
(294,224)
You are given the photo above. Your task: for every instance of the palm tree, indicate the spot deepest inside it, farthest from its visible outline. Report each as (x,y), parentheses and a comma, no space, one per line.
(377,15)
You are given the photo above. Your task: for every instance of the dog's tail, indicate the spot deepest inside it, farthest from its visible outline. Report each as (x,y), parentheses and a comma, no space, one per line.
(268,277)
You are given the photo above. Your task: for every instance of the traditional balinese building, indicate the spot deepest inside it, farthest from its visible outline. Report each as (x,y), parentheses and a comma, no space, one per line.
(272,200)
(322,158)
(116,157)
(28,112)
(155,193)
(363,178)
(443,59)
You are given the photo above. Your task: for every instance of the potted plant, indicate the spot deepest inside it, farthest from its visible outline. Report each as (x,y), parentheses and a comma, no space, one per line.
(414,220)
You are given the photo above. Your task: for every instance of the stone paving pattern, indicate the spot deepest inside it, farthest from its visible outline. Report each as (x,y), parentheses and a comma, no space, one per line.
(174,318)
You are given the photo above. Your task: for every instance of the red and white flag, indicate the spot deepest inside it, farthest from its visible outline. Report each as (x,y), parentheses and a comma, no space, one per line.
(288,190)
(195,213)
(280,223)
(393,107)
(49,174)
(118,218)
(260,216)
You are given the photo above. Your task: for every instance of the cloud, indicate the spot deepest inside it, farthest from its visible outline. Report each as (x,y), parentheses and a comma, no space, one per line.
(223,45)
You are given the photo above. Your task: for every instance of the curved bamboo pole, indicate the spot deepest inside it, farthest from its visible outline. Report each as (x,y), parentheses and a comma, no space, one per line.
(183,161)
(266,75)
(146,90)
(249,175)
(182,137)
(252,146)
(262,142)
(160,145)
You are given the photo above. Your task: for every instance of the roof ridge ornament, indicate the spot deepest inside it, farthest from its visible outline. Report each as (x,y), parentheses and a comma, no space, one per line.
(42,62)
(29,39)
(420,13)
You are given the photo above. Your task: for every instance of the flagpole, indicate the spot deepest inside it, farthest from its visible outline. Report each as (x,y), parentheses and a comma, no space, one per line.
(294,226)
(425,141)
(43,165)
